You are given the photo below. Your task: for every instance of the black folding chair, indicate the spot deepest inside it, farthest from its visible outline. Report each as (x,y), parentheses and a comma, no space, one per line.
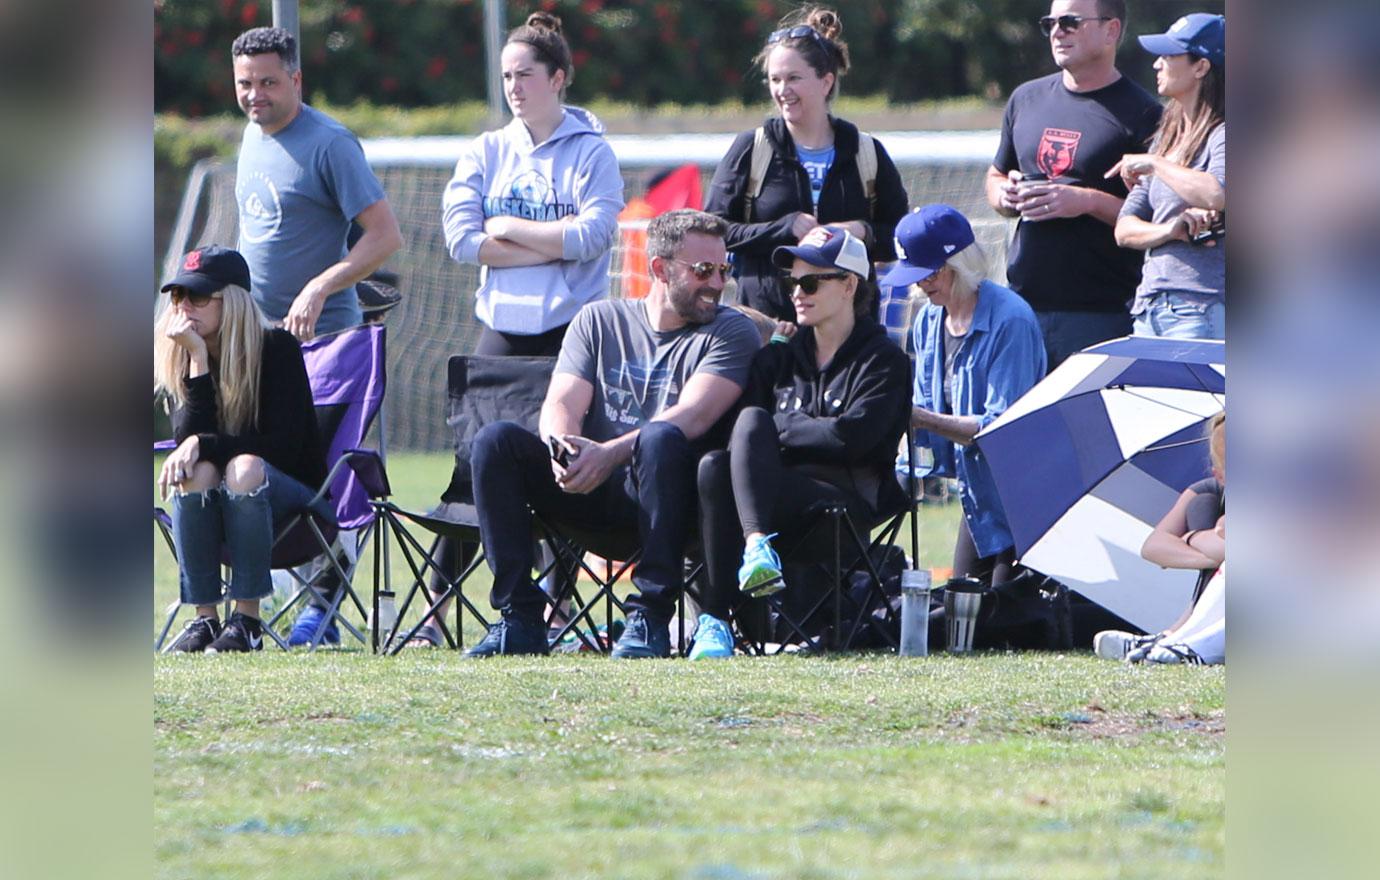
(482,390)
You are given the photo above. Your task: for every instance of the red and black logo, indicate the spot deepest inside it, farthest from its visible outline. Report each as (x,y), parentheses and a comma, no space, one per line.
(1058,147)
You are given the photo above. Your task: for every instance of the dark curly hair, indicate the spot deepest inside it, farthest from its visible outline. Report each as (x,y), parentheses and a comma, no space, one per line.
(823,48)
(262,40)
(542,31)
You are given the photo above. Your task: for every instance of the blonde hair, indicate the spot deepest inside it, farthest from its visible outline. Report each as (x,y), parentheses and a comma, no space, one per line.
(242,329)
(1217,441)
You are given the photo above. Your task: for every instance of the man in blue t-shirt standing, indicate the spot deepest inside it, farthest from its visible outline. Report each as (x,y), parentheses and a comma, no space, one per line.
(1059,136)
(302,179)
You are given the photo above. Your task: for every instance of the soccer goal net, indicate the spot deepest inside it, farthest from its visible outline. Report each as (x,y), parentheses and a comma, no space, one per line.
(436,317)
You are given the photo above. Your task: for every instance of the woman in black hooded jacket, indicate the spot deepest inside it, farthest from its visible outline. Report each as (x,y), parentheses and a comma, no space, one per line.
(813,177)
(820,421)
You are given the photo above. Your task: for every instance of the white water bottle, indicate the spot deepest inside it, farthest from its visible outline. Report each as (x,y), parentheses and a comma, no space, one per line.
(915,612)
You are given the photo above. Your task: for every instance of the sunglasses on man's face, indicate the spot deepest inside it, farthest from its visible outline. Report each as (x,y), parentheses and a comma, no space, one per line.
(1068,23)
(810,283)
(198,300)
(703,269)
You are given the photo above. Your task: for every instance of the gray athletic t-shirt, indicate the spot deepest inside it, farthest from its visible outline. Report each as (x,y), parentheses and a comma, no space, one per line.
(297,192)
(637,371)
(1180,265)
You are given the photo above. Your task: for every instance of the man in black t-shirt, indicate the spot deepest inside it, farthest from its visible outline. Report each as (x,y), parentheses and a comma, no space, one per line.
(1071,127)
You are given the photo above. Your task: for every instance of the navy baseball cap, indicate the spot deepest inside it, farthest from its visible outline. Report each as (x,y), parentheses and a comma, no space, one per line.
(208,269)
(925,240)
(1198,34)
(842,250)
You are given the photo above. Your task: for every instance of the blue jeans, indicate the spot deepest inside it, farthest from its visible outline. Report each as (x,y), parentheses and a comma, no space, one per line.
(1181,315)
(654,495)
(1068,333)
(244,523)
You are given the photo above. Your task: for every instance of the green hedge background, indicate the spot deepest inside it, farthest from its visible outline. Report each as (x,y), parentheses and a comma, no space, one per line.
(419,53)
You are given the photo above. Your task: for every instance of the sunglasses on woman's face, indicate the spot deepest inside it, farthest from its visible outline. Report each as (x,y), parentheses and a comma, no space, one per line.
(198,300)
(810,283)
(1068,23)
(703,269)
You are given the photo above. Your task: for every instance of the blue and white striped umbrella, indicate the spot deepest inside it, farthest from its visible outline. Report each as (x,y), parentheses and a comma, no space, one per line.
(1094,455)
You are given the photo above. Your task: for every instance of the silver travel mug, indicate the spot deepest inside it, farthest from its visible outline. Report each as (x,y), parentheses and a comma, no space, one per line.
(915,612)
(962,600)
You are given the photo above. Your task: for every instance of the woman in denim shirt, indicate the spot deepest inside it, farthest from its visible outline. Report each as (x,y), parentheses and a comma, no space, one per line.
(978,348)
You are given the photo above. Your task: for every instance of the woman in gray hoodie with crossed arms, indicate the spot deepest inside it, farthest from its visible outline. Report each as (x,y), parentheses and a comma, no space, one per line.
(535,203)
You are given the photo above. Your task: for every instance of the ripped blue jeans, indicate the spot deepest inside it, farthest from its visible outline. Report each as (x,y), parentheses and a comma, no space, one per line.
(242,523)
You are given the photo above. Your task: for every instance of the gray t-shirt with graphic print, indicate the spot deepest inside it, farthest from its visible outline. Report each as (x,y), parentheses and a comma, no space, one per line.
(297,191)
(637,372)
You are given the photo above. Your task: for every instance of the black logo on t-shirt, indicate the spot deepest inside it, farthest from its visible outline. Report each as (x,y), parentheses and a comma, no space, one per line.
(1058,147)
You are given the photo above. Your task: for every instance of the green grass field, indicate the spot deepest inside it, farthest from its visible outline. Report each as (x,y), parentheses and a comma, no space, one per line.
(344,765)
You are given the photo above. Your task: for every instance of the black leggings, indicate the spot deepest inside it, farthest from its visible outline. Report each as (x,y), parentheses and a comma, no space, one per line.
(994,569)
(454,556)
(746,489)
(495,343)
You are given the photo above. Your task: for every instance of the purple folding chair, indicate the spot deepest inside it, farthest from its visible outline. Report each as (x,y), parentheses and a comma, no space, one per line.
(347,375)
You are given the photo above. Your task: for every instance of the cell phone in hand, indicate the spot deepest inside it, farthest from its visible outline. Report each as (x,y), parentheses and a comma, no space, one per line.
(1213,232)
(559,454)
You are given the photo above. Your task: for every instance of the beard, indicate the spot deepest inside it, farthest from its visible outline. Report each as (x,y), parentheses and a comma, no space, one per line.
(689,303)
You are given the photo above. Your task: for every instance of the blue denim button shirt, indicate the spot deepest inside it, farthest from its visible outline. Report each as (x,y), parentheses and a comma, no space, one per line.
(1000,358)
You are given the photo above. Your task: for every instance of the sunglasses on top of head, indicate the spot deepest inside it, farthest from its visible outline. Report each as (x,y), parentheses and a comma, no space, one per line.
(1068,23)
(704,268)
(810,283)
(199,300)
(795,33)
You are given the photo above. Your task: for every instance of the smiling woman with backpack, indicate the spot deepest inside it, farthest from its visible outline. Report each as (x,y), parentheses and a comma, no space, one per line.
(803,168)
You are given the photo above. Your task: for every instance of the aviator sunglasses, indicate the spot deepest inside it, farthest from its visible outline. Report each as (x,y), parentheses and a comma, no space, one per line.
(703,269)
(198,300)
(810,283)
(1068,23)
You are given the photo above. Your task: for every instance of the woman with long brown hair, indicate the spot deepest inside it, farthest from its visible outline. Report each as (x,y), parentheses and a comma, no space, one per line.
(1178,191)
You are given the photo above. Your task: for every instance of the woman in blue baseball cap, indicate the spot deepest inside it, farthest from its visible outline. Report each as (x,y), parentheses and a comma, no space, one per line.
(1178,191)
(819,422)
(248,447)
(978,348)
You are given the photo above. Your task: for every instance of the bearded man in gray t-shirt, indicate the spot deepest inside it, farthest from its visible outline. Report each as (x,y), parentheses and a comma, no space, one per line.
(638,386)
(301,180)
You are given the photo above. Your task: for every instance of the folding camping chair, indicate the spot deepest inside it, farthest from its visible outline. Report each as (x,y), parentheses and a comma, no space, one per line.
(482,390)
(845,550)
(347,375)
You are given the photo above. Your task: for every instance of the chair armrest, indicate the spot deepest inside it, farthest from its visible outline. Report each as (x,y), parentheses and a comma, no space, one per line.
(369,468)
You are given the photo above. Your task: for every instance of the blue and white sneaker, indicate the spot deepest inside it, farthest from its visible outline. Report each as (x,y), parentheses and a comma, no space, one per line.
(712,639)
(305,628)
(760,573)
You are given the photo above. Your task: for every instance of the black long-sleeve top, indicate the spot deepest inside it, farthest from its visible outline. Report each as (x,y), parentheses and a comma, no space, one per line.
(286,436)
(786,193)
(843,423)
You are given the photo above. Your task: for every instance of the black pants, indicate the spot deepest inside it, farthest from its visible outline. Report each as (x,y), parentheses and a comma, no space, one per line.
(994,569)
(746,489)
(654,496)
(495,343)
(452,557)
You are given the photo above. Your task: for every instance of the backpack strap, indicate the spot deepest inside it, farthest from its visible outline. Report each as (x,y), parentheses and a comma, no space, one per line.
(757,171)
(867,170)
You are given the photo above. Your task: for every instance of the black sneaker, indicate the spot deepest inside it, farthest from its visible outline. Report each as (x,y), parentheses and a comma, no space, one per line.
(196,636)
(241,633)
(645,636)
(512,635)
